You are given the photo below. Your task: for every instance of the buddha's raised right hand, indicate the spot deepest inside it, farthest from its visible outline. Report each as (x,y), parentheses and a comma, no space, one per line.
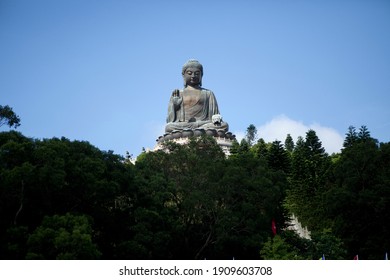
(176,99)
(176,93)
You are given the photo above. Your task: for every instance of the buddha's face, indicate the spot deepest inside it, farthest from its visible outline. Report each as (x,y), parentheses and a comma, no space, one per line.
(192,77)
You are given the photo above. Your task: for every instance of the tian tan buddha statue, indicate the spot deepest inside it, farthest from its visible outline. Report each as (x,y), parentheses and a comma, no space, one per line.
(193,107)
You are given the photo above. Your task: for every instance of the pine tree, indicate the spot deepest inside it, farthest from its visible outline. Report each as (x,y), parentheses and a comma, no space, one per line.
(364,134)
(260,149)
(351,137)
(310,165)
(289,143)
(313,143)
(359,196)
(278,158)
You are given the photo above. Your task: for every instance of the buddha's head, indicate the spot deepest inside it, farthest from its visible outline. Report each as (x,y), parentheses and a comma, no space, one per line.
(192,73)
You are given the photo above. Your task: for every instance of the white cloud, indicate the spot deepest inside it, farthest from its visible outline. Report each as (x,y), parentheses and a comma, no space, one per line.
(280,126)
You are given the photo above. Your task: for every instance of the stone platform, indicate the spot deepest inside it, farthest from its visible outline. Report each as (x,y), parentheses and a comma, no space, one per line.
(223,139)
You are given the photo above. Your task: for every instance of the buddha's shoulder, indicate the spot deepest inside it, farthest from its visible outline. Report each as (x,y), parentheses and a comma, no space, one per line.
(208,91)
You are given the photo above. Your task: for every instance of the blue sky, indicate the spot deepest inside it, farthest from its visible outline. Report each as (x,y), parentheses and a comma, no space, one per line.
(103,71)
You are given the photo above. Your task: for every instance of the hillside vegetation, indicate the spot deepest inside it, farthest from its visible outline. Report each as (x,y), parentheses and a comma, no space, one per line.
(62,199)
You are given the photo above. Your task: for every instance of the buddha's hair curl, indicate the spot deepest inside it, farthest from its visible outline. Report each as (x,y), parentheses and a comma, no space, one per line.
(192,63)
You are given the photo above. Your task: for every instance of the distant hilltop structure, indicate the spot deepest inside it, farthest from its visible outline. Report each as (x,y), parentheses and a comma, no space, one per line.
(193,111)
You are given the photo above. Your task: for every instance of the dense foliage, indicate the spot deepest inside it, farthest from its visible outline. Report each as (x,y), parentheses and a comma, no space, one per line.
(62,199)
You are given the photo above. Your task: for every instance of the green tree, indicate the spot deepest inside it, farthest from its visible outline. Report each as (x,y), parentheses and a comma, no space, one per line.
(313,143)
(260,149)
(8,117)
(327,244)
(54,176)
(309,176)
(251,134)
(278,158)
(351,137)
(364,134)
(17,175)
(361,194)
(254,194)
(15,243)
(289,144)
(179,189)
(278,249)
(63,237)
(244,146)
(196,203)
(289,246)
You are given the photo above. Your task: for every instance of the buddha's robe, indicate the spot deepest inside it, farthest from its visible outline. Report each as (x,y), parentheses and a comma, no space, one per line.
(193,109)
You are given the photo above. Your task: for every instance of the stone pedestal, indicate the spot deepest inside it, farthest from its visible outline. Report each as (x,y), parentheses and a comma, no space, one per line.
(223,139)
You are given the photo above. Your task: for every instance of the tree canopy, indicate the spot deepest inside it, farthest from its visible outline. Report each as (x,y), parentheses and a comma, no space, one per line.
(62,199)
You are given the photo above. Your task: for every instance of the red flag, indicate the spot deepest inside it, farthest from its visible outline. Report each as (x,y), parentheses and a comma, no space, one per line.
(273,227)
